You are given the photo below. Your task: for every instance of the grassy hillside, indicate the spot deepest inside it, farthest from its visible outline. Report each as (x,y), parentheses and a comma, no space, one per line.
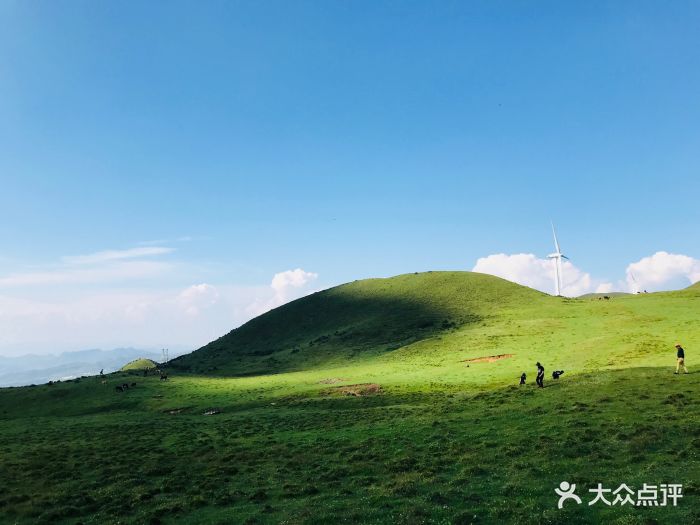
(402,426)
(359,320)
(603,295)
(139,364)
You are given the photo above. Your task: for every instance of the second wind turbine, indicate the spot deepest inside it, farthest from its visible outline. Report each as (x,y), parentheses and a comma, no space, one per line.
(557,256)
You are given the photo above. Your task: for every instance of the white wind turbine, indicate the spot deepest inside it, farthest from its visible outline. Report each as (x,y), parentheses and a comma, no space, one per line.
(557,256)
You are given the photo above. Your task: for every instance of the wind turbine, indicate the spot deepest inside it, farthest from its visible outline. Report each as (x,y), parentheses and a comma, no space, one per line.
(557,256)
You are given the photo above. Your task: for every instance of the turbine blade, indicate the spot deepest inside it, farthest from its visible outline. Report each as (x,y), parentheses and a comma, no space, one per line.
(556,242)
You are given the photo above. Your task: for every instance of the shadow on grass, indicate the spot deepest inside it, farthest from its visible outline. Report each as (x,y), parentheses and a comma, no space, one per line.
(324,328)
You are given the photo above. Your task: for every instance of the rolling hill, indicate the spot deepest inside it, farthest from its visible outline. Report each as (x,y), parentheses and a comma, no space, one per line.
(379,401)
(140,363)
(358,320)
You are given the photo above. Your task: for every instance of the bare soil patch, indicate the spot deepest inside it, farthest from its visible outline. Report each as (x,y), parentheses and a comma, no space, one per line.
(361,389)
(487,359)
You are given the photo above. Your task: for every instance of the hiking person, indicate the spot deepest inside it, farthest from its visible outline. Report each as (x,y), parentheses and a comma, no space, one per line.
(680,355)
(540,375)
(523,377)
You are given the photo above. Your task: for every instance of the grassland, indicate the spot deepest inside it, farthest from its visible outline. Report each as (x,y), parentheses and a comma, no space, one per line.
(438,439)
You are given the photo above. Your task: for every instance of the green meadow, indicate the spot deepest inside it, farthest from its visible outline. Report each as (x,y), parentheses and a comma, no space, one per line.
(369,403)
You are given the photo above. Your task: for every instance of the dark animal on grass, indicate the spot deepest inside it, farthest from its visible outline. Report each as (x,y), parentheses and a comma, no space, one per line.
(163,377)
(556,374)
(119,389)
(606,297)
(125,386)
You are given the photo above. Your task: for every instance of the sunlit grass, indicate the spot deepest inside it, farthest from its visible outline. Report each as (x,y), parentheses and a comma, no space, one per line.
(442,442)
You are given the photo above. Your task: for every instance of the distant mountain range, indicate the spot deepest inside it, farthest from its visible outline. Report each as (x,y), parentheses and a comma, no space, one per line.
(38,369)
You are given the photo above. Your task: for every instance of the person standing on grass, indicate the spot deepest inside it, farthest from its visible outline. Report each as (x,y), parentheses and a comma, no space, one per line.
(680,355)
(540,375)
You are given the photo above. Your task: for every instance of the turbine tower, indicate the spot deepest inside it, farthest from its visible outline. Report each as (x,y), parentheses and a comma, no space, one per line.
(557,256)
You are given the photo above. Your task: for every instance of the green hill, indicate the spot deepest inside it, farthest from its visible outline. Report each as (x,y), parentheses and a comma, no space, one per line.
(139,364)
(359,320)
(380,401)
(598,295)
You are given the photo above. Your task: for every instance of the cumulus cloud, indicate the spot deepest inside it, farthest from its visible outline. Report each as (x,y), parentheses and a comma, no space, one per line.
(529,270)
(605,288)
(88,317)
(663,271)
(285,286)
(198,297)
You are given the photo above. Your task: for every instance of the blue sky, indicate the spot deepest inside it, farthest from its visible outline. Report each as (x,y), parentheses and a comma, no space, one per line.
(242,140)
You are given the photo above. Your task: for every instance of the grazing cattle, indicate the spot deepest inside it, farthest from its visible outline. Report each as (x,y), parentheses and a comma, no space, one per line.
(606,297)
(104,382)
(163,377)
(119,389)
(125,386)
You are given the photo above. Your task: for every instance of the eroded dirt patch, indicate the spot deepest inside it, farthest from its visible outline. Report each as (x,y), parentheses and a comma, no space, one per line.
(332,380)
(361,389)
(487,359)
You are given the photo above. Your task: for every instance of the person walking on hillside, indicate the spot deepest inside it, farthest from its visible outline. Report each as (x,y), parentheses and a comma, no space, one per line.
(540,375)
(680,355)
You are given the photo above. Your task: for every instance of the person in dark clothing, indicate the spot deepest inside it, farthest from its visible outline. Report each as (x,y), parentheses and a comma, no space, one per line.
(680,355)
(523,378)
(540,375)
(557,373)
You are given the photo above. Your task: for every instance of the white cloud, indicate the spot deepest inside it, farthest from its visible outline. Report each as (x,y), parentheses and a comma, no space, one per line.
(189,317)
(100,267)
(113,255)
(285,282)
(605,288)
(663,271)
(198,297)
(285,286)
(127,270)
(529,270)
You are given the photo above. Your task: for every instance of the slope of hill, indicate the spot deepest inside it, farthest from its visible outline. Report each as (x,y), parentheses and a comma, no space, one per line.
(359,320)
(37,369)
(598,295)
(418,421)
(140,363)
